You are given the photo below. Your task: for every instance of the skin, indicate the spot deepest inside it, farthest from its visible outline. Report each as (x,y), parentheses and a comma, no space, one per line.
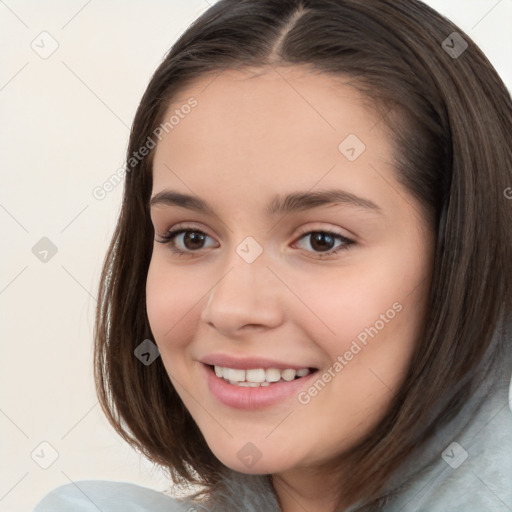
(251,136)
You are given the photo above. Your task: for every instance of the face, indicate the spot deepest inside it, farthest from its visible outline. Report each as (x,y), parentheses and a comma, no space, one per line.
(333,280)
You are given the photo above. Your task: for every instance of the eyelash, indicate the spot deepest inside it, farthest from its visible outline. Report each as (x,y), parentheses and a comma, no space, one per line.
(168,238)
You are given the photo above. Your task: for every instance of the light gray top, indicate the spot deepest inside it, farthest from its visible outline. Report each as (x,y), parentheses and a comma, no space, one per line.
(466,467)
(105,496)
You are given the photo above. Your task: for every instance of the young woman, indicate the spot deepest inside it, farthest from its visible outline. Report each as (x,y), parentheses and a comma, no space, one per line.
(306,304)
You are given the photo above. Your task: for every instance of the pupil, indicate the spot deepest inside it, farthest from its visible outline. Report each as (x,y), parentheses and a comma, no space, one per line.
(317,239)
(195,238)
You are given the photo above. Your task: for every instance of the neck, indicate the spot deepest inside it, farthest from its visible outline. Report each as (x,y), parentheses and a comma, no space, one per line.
(301,490)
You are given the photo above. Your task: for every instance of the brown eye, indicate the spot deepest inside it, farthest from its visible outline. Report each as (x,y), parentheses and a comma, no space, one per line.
(185,240)
(324,242)
(192,240)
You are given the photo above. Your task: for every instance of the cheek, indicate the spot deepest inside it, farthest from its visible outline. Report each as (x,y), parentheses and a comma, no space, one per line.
(341,304)
(373,314)
(170,299)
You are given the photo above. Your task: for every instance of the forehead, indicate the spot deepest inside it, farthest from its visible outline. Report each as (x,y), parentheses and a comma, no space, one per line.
(273,101)
(268,129)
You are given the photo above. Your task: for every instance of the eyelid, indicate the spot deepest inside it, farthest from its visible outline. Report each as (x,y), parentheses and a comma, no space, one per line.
(176,230)
(302,231)
(319,226)
(185,226)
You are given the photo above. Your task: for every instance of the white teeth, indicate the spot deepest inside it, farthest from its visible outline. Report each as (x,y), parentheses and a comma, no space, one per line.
(272,374)
(288,374)
(257,377)
(244,384)
(233,374)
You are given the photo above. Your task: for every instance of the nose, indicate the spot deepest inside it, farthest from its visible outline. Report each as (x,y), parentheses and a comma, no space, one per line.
(248,296)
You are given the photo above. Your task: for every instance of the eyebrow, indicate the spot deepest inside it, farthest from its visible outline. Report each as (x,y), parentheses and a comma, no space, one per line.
(293,202)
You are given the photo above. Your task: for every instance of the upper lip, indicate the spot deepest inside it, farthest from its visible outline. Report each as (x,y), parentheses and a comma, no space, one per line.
(247,363)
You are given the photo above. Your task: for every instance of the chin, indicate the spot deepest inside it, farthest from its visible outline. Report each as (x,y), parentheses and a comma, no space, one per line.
(249,460)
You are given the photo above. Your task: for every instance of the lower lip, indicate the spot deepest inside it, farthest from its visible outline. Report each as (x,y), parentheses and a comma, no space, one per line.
(241,397)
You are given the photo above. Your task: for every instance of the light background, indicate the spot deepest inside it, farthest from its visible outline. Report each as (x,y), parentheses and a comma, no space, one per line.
(64,129)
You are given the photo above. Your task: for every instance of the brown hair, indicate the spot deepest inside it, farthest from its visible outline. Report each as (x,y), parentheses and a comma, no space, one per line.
(451,121)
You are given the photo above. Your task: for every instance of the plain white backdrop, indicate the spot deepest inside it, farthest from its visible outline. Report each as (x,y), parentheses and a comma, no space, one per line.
(71,76)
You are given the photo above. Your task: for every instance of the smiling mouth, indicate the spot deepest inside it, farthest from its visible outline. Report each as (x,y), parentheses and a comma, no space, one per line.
(259,377)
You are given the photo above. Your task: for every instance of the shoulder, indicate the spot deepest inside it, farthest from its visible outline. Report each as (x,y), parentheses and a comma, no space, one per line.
(473,466)
(108,496)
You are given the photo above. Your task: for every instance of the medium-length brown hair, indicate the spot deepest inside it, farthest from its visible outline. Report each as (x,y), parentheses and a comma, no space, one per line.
(450,119)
